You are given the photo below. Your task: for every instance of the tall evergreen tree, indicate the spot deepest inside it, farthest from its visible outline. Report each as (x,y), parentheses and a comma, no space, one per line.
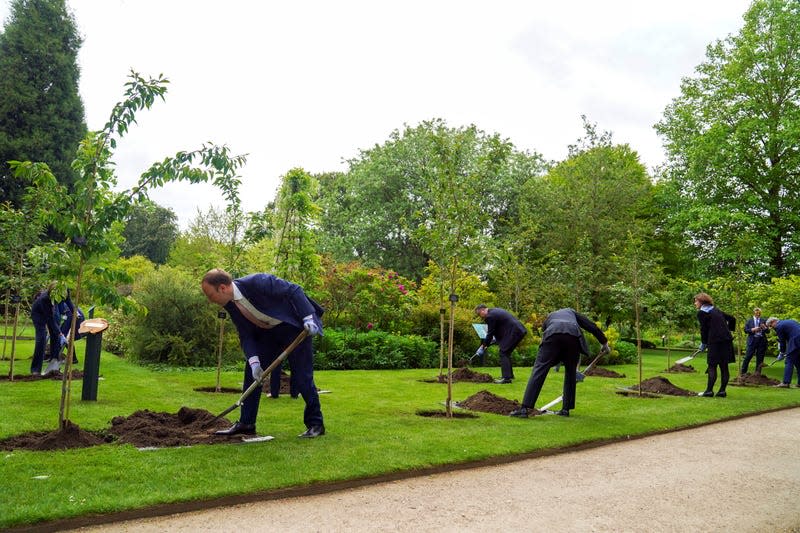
(41,113)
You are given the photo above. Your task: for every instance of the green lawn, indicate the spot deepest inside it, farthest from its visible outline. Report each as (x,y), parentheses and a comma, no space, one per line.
(370,416)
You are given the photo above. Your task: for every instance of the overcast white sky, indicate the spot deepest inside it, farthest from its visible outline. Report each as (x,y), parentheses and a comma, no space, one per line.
(310,83)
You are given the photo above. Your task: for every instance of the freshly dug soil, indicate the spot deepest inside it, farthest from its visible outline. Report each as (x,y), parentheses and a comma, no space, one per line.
(465,374)
(55,376)
(70,437)
(677,367)
(753,379)
(604,373)
(661,385)
(143,429)
(146,428)
(487,402)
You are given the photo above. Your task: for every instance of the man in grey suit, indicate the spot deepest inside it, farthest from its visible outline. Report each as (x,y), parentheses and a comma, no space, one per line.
(562,343)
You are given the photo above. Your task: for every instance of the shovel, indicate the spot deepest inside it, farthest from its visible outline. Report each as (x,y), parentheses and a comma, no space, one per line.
(580,376)
(687,358)
(259,382)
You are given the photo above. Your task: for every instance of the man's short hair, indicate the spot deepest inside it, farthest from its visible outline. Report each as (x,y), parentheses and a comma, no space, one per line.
(771,320)
(216,277)
(479,307)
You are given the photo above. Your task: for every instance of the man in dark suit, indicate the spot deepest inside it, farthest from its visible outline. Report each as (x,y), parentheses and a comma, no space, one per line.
(504,328)
(562,343)
(269,313)
(788,332)
(756,341)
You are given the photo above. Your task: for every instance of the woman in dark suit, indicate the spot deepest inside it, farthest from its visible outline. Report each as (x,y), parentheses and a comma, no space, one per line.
(716,337)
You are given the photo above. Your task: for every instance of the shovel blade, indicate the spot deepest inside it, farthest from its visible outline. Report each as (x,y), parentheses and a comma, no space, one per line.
(684,359)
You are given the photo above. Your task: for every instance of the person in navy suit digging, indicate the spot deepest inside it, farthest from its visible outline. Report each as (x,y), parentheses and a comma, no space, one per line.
(269,313)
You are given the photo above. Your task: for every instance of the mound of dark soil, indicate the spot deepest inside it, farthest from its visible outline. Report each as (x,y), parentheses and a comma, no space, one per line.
(55,376)
(677,368)
(661,385)
(753,379)
(143,429)
(487,402)
(465,374)
(604,373)
(189,426)
(70,437)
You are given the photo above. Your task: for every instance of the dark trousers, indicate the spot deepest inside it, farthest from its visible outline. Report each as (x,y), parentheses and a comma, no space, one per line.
(506,348)
(41,331)
(301,361)
(558,349)
(791,362)
(755,346)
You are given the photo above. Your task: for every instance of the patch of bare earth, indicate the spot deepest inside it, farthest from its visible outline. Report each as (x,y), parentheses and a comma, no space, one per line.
(657,385)
(604,373)
(753,380)
(54,376)
(466,374)
(677,368)
(143,429)
(487,402)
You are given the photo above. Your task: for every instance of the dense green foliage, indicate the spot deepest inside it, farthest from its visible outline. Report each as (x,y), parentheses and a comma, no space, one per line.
(732,138)
(178,327)
(41,113)
(348,349)
(150,231)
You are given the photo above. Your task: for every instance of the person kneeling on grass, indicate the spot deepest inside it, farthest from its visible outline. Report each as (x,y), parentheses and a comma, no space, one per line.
(562,342)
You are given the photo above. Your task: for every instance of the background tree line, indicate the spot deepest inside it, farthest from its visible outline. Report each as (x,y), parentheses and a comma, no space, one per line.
(438,208)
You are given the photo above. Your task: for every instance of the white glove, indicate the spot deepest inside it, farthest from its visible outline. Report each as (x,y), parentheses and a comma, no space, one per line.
(605,348)
(481,350)
(255,368)
(702,347)
(310,326)
(781,356)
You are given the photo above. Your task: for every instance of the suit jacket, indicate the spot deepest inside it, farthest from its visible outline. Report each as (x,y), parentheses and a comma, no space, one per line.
(571,322)
(748,328)
(42,311)
(504,328)
(788,332)
(275,297)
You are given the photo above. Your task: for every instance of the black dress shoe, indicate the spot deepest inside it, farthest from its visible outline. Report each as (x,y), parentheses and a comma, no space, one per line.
(238,429)
(312,432)
(563,412)
(722,394)
(706,394)
(503,381)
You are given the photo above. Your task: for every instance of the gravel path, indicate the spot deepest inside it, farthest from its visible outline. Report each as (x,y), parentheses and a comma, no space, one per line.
(741,475)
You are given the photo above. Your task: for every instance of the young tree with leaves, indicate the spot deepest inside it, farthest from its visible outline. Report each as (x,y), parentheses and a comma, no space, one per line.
(87,218)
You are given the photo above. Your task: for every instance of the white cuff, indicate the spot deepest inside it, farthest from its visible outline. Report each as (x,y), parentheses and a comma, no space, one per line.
(307,318)
(254,361)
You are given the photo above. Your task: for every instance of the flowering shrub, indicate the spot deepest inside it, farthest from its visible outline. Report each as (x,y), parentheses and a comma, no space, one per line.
(366,298)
